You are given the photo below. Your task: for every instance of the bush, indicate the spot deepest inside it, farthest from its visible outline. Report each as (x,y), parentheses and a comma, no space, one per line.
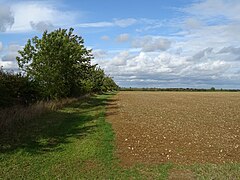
(16,89)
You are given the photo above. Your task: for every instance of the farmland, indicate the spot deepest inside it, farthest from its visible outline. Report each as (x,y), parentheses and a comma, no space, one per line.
(130,135)
(182,128)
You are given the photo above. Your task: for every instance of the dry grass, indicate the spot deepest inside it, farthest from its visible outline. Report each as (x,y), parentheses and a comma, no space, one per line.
(18,116)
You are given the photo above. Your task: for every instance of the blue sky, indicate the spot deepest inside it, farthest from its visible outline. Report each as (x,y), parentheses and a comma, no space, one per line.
(154,43)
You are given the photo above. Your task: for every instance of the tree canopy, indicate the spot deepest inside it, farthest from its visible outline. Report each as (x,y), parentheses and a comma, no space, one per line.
(53,66)
(60,65)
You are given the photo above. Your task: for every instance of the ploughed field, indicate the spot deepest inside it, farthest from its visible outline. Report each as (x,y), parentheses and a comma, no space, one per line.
(176,127)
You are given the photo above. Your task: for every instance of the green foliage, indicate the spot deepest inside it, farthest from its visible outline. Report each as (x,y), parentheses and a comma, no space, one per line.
(109,84)
(58,62)
(97,77)
(100,82)
(212,89)
(16,89)
(55,66)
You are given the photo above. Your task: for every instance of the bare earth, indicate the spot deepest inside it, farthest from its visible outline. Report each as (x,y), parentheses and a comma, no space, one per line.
(177,127)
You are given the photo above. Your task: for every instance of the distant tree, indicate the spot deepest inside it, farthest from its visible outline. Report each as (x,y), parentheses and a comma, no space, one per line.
(212,89)
(109,84)
(98,76)
(58,62)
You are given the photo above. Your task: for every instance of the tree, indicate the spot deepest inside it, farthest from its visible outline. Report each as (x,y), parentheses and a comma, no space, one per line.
(97,77)
(16,89)
(109,84)
(212,89)
(58,62)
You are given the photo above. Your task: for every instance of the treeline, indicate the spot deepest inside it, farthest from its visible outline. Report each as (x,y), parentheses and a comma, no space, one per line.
(55,66)
(177,89)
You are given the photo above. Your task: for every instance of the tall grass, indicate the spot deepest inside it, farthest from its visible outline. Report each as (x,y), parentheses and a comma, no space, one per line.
(17,116)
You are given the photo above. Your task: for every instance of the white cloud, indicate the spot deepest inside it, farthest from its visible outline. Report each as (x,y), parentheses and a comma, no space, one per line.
(11,52)
(143,63)
(123,38)
(150,24)
(215,36)
(208,23)
(193,23)
(149,43)
(39,15)
(6,18)
(203,50)
(125,22)
(1,46)
(165,69)
(121,59)
(96,24)
(42,26)
(105,38)
(212,67)
(99,53)
(14,47)
(8,65)
(202,53)
(230,49)
(216,8)
(8,56)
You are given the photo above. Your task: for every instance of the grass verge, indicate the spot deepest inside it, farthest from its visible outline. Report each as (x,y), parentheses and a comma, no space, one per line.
(18,116)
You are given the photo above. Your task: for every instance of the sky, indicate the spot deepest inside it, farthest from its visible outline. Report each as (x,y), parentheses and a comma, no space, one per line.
(154,43)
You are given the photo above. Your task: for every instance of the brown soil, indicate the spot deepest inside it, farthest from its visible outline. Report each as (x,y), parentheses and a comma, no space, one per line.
(177,127)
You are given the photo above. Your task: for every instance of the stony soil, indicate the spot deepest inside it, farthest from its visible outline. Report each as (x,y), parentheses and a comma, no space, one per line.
(177,127)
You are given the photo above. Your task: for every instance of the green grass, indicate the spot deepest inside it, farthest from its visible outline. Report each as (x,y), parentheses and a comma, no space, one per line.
(77,143)
(228,171)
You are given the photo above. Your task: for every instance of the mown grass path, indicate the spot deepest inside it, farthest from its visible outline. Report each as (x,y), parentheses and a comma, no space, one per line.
(72,143)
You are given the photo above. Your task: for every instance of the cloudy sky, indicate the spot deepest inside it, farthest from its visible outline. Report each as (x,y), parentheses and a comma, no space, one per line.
(153,43)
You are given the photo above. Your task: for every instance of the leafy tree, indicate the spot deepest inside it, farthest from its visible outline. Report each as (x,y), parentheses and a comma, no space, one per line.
(58,62)
(16,89)
(97,78)
(109,84)
(212,89)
